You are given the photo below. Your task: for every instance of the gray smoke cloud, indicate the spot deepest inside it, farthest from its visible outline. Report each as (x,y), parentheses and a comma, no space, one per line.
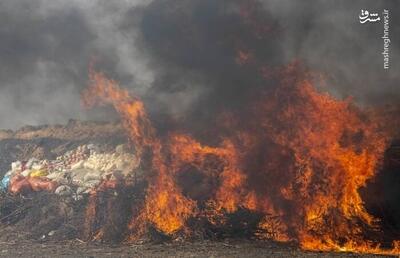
(45,51)
(179,56)
(329,37)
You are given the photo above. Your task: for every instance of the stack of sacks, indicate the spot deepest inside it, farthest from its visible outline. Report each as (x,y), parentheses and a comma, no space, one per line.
(69,159)
(21,184)
(75,173)
(86,174)
(27,176)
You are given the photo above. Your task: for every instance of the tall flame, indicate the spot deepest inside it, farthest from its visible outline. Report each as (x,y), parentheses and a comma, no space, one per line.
(165,206)
(300,161)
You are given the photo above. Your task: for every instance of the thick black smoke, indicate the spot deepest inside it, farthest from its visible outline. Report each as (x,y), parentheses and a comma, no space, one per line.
(185,58)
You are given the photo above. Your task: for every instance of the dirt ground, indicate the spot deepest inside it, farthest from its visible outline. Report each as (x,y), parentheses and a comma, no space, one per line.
(196,249)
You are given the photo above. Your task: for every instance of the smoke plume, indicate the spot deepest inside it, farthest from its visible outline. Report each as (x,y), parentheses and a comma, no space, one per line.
(185,58)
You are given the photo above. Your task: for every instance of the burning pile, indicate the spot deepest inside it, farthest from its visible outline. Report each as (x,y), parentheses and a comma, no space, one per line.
(300,163)
(286,164)
(290,170)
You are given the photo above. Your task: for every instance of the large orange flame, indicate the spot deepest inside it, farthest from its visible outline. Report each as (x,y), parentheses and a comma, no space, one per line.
(300,161)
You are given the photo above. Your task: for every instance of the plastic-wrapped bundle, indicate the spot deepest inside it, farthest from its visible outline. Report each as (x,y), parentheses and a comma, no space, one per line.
(76,172)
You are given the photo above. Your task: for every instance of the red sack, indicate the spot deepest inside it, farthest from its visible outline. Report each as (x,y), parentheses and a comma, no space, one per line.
(42,184)
(110,184)
(105,185)
(19,184)
(16,178)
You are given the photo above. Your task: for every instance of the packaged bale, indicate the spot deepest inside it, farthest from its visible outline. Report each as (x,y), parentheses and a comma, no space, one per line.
(63,178)
(63,190)
(5,183)
(77,165)
(77,176)
(38,173)
(92,175)
(82,190)
(19,184)
(31,162)
(91,184)
(26,172)
(42,184)
(15,166)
